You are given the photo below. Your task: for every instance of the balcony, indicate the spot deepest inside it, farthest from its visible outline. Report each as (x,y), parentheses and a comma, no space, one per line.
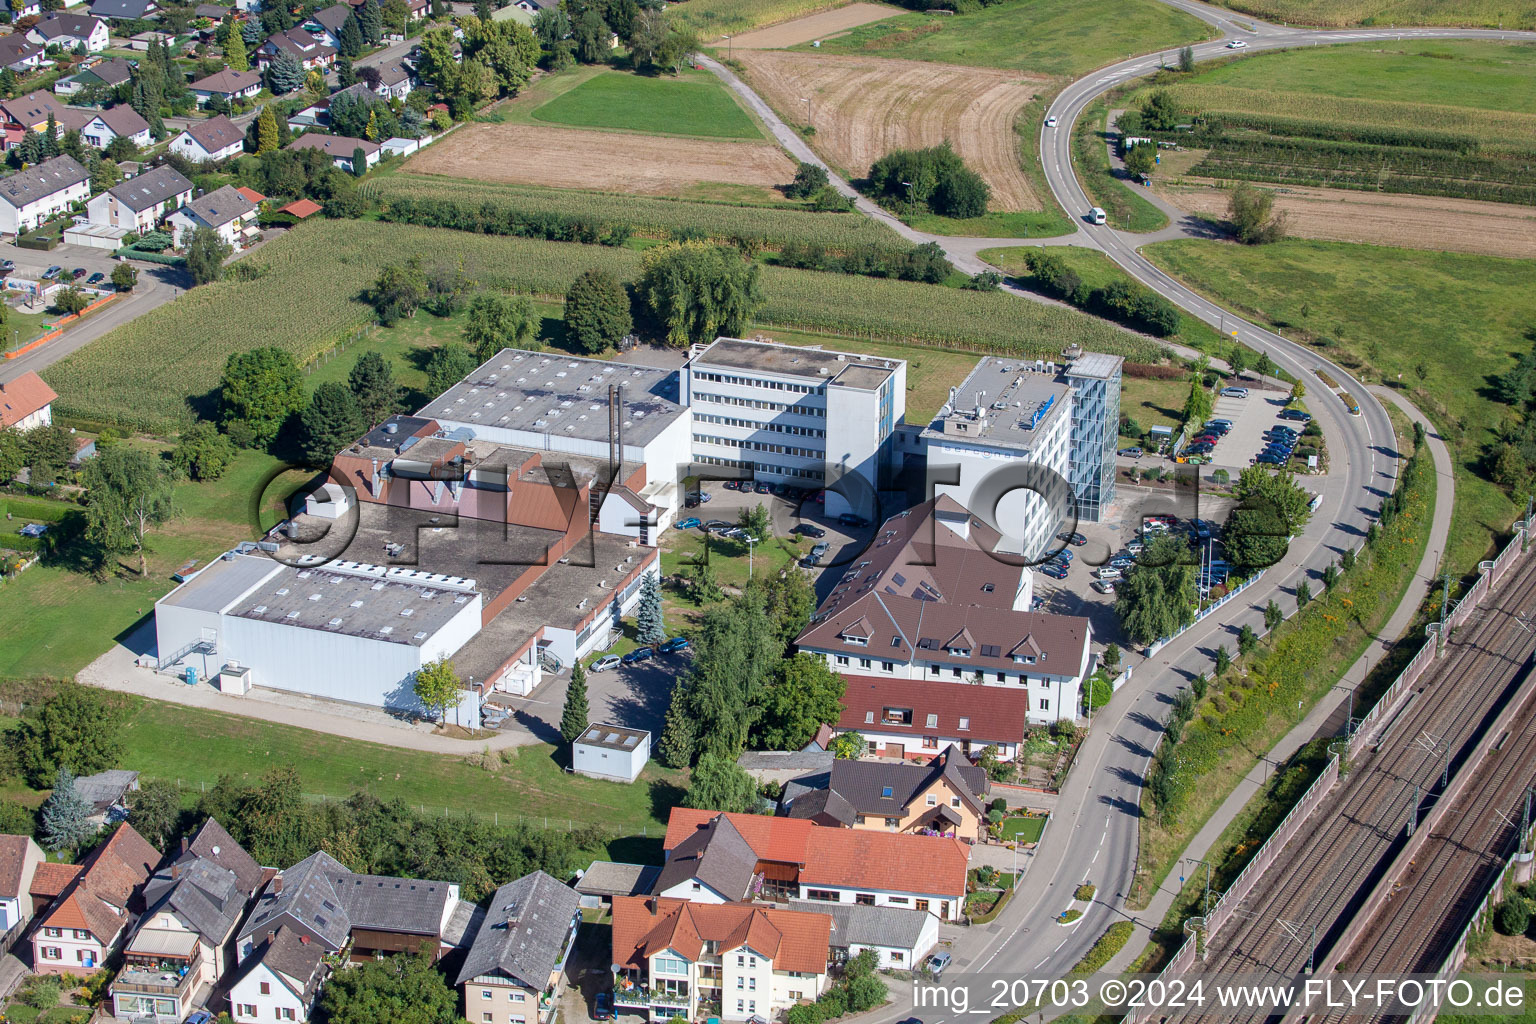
(150,982)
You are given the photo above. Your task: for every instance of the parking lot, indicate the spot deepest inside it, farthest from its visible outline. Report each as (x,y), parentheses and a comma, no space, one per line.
(1250,417)
(843,542)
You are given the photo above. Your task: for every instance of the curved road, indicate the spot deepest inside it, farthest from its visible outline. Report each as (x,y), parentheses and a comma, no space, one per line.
(1093,836)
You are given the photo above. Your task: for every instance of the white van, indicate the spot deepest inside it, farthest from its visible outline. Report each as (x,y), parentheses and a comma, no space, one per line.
(1097,216)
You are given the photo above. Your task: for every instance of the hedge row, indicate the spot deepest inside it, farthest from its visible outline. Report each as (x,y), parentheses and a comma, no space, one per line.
(1339,131)
(1121,300)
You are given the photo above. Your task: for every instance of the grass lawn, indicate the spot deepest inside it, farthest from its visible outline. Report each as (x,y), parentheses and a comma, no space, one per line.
(728,557)
(1019,224)
(1152,402)
(1526,1013)
(1097,270)
(692,104)
(1049,37)
(55,619)
(1024,830)
(1444,324)
(21,328)
(532,785)
(1336,13)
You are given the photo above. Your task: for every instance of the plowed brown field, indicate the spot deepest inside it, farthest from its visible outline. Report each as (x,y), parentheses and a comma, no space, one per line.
(612,161)
(864,107)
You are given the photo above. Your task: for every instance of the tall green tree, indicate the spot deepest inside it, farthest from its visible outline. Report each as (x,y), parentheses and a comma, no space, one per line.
(155,812)
(1251,212)
(400,989)
(51,137)
(78,727)
(496,322)
(592,36)
(573,718)
(234,53)
(371,20)
(350,38)
(806,695)
(648,620)
(261,389)
(1187,59)
(266,130)
(202,453)
(676,746)
(597,311)
(1158,599)
(373,383)
(399,291)
(332,420)
(448,364)
(206,253)
(285,74)
(736,652)
(438,688)
(126,493)
(147,93)
(48,451)
(125,276)
(719,784)
(1199,405)
(66,815)
(757,521)
(699,291)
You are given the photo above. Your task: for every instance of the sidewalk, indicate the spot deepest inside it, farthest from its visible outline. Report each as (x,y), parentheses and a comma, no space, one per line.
(1326,718)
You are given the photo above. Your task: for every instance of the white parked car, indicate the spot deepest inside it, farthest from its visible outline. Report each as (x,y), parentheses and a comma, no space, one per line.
(1050,122)
(1237,44)
(605,663)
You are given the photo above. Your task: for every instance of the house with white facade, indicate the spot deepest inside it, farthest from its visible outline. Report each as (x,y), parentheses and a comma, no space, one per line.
(202,142)
(70,31)
(19,53)
(737,961)
(142,201)
(19,858)
(715,857)
(90,918)
(279,980)
(226,210)
(26,402)
(30,111)
(805,417)
(228,85)
(341,149)
(920,718)
(611,752)
(98,128)
(302,45)
(899,938)
(514,969)
(32,195)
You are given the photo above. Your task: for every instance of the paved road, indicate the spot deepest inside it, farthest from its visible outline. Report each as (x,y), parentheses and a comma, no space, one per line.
(1094,835)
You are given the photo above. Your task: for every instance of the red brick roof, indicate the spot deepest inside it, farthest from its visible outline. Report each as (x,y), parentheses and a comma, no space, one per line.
(13,861)
(646,925)
(22,397)
(997,714)
(900,862)
(251,194)
(109,878)
(301,208)
(51,878)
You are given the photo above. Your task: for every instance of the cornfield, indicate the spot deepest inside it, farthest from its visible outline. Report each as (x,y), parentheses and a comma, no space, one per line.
(647,215)
(305,290)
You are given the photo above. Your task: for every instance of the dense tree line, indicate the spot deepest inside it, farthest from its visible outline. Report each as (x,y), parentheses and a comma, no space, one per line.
(924,262)
(1124,301)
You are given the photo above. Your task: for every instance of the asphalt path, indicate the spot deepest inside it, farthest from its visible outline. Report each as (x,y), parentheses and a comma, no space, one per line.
(1094,833)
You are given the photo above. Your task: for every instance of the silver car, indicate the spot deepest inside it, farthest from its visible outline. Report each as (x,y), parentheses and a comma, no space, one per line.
(605,663)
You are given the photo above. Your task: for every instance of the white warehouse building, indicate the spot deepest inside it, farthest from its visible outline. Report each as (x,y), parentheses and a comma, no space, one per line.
(343,631)
(799,416)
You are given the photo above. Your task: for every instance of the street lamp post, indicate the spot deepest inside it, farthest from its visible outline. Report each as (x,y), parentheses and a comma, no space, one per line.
(751,541)
(729,48)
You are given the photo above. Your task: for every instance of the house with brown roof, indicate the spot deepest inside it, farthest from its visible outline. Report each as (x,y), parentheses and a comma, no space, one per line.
(676,958)
(339,148)
(917,718)
(230,85)
(946,796)
(19,53)
(226,210)
(19,858)
(91,916)
(30,112)
(33,194)
(302,45)
(514,969)
(930,599)
(26,402)
(280,980)
(203,142)
(715,857)
(70,32)
(98,128)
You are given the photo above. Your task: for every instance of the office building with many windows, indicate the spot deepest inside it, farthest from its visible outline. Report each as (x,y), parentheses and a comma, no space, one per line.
(1095,381)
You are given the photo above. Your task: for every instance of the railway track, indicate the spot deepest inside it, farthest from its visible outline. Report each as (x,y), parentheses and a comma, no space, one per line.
(1319,879)
(1448,877)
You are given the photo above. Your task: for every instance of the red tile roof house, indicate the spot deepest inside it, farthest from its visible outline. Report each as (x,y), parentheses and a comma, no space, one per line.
(26,402)
(932,601)
(713,857)
(92,915)
(675,958)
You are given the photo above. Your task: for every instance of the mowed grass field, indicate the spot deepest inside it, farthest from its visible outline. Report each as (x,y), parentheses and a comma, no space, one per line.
(712,18)
(1340,13)
(1044,37)
(1447,322)
(694,103)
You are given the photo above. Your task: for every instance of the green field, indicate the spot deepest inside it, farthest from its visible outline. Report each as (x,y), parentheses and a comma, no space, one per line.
(711,18)
(1340,13)
(1024,830)
(693,104)
(144,374)
(1042,37)
(1096,270)
(1446,322)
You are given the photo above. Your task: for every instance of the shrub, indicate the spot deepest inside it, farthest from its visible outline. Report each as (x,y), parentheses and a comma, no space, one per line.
(1084,892)
(999,804)
(933,179)
(994,816)
(1513,916)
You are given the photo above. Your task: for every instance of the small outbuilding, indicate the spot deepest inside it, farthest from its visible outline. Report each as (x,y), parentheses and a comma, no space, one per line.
(611,752)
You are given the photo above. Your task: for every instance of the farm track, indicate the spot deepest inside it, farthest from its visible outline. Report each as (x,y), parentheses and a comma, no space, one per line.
(1319,881)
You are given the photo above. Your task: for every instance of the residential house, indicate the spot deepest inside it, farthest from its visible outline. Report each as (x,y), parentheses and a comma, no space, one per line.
(70,31)
(30,112)
(396,81)
(339,148)
(224,209)
(19,53)
(321,899)
(327,24)
(279,980)
(715,857)
(19,858)
(144,40)
(123,10)
(192,906)
(913,717)
(931,600)
(514,969)
(311,52)
(213,12)
(204,142)
(899,938)
(230,85)
(32,195)
(103,74)
(98,128)
(738,961)
(26,402)
(108,792)
(535,6)
(946,796)
(316,115)
(88,920)
(18,9)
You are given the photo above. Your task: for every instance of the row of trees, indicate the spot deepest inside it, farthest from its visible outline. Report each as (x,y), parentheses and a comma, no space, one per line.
(1126,301)
(262,396)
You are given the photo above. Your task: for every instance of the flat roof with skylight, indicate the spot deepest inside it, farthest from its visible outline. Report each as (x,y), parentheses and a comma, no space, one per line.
(822,365)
